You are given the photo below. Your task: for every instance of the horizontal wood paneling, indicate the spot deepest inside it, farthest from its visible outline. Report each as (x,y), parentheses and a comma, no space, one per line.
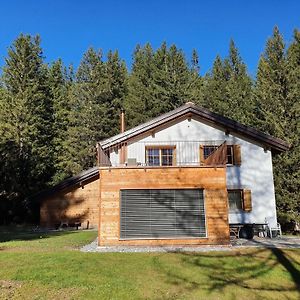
(80,204)
(212,180)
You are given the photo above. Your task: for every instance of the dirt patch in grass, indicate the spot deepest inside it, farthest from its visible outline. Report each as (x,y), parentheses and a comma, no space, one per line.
(9,288)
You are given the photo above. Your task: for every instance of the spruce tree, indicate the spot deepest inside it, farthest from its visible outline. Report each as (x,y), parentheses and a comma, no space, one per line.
(271,87)
(171,79)
(95,98)
(228,88)
(286,165)
(195,87)
(277,100)
(87,117)
(115,91)
(160,81)
(215,88)
(59,83)
(26,121)
(238,88)
(140,98)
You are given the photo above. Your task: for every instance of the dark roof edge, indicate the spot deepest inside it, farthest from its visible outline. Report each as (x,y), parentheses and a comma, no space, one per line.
(233,126)
(77,180)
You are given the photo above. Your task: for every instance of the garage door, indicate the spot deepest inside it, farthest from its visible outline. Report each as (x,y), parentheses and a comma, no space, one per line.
(161,213)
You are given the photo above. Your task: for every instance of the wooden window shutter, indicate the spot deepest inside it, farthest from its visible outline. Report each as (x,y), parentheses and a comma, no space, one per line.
(237,160)
(247,201)
(202,155)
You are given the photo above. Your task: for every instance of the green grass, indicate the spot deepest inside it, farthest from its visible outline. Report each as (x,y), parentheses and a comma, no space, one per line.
(49,266)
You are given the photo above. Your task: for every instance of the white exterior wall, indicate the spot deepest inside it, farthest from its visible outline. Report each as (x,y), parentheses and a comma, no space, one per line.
(255,172)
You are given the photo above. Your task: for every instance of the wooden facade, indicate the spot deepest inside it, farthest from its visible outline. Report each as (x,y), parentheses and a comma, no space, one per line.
(79,204)
(211,179)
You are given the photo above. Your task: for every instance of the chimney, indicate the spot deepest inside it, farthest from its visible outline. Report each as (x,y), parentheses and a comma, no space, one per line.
(122,120)
(123,147)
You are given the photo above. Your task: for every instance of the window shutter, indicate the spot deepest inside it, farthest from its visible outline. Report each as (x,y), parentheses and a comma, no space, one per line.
(247,201)
(202,155)
(237,155)
(174,157)
(162,213)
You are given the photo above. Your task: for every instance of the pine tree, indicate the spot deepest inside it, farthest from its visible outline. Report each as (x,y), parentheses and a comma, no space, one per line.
(26,120)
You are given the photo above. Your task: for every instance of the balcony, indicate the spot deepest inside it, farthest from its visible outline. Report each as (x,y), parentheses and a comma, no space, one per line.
(166,154)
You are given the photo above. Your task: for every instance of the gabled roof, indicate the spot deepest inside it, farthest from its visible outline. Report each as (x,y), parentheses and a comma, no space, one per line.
(70,183)
(190,109)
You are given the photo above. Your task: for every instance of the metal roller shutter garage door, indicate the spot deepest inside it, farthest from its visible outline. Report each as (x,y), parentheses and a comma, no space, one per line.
(161,213)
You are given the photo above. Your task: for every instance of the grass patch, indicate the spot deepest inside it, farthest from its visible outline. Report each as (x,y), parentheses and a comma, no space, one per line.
(48,266)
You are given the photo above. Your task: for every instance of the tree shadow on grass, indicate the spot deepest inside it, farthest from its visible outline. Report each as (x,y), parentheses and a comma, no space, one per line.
(11,233)
(219,270)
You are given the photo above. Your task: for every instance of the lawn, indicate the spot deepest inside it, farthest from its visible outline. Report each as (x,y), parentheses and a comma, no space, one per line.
(41,266)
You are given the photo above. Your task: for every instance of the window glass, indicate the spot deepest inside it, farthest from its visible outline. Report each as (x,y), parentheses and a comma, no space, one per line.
(166,157)
(159,156)
(235,199)
(208,150)
(230,155)
(153,157)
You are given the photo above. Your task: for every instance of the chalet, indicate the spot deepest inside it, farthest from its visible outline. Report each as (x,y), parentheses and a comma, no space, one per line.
(181,178)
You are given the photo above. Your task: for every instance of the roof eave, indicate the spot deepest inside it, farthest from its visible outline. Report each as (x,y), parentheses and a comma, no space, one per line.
(266,140)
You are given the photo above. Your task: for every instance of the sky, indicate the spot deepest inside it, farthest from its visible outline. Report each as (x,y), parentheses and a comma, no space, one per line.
(68,28)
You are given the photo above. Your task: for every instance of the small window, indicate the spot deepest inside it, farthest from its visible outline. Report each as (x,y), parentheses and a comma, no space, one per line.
(160,156)
(208,150)
(230,155)
(235,199)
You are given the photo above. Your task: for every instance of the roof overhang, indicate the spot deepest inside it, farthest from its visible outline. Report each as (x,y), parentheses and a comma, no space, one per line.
(71,183)
(193,111)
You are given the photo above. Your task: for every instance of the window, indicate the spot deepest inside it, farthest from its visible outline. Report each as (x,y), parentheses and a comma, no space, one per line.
(235,199)
(209,149)
(229,155)
(160,156)
(153,157)
(162,213)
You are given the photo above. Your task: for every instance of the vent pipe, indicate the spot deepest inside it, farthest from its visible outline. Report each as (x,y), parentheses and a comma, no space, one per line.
(122,120)
(123,147)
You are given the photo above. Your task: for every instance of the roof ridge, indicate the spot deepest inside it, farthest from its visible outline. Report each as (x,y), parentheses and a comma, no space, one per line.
(212,117)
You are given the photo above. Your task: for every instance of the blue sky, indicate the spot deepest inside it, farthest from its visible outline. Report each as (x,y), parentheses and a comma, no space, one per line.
(68,28)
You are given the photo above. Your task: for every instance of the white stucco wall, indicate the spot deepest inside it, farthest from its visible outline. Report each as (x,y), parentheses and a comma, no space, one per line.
(255,172)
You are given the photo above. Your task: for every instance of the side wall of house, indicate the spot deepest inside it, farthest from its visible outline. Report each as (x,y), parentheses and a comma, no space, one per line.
(78,205)
(212,180)
(255,172)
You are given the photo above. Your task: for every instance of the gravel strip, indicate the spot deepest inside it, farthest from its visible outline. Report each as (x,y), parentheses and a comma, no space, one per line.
(93,247)
(290,243)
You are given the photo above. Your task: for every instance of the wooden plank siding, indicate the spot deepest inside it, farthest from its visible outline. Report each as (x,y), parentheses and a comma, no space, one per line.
(212,180)
(77,205)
